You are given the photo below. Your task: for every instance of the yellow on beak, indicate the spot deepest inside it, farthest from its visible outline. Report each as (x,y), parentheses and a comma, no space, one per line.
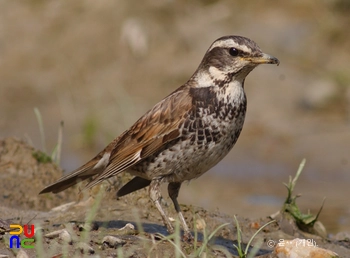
(264,59)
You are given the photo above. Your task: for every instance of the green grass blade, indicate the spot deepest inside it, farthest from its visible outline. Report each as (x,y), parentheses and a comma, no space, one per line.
(255,234)
(41,128)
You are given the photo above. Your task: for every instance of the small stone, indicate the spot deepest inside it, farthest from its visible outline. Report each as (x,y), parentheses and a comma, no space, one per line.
(85,248)
(200,224)
(342,236)
(63,207)
(65,237)
(128,226)
(112,241)
(302,248)
(54,234)
(22,254)
(128,229)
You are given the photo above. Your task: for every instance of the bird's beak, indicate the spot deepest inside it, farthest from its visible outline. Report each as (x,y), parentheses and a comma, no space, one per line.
(263,59)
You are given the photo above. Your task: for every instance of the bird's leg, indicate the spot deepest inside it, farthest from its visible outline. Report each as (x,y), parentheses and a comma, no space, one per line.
(173,190)
(155,195)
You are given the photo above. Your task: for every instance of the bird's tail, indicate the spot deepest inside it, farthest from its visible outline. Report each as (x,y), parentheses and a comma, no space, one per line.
(84,172)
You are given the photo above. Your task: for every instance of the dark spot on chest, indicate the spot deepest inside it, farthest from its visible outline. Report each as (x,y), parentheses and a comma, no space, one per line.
(203,97)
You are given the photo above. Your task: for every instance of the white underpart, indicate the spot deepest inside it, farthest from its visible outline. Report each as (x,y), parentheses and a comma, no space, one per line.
(103,161)
(228,43)
(235,91)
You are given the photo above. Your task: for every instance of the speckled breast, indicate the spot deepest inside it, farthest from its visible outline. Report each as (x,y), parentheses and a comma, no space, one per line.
(209,131)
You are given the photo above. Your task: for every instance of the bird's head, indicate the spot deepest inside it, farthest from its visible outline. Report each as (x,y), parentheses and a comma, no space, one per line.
(233,57)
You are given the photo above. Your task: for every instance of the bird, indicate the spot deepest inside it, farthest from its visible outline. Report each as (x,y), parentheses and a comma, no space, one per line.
(183,135)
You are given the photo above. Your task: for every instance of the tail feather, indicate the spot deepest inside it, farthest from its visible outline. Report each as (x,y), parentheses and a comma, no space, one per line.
(84,172)
(63,185)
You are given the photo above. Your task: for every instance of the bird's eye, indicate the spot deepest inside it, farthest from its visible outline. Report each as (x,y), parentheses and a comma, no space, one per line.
(233,51)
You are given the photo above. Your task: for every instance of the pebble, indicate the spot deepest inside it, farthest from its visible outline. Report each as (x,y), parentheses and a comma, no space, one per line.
(112,241)
(128,229)
(301,248)
(22,254)
(128,226)
(63,207)
(65,237)
(342,236)
(62,234)
(54,234)
(85,248)
(200,224)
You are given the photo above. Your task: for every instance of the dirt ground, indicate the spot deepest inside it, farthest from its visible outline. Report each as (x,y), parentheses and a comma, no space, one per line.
(23,176)
(99,65)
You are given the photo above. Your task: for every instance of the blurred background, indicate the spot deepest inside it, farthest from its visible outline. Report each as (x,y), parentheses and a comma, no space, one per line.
(99,65)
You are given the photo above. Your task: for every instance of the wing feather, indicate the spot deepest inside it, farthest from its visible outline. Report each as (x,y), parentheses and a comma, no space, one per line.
(157,127)
(150,133)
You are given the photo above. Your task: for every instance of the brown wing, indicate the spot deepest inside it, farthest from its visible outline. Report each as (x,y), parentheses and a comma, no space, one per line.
(150,133)
(157,127)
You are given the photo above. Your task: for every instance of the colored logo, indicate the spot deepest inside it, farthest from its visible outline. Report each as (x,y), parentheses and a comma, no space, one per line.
(15,239)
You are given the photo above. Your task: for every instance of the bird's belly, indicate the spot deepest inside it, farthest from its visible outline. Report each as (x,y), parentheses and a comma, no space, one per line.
(191,155)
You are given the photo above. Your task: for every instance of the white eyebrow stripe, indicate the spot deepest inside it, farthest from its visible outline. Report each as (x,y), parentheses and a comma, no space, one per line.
(222,43)
(228,43)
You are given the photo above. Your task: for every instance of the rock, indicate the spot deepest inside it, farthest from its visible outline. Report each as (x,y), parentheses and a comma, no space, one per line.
(54,234)
(301,248)
(128,226)
(112,241)
(62,234)
(63,207)
(128,229)
(22,254)
(200,224)
(65,237)
(342,236)
(85,248)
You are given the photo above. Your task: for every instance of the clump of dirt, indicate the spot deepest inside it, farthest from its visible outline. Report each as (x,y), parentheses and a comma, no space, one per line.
(24,171)
(95,222)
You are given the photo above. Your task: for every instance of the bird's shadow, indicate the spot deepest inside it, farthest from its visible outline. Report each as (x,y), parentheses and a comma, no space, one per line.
(152,228)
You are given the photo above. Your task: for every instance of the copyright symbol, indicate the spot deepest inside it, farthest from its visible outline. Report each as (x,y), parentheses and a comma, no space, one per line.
(270,243)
